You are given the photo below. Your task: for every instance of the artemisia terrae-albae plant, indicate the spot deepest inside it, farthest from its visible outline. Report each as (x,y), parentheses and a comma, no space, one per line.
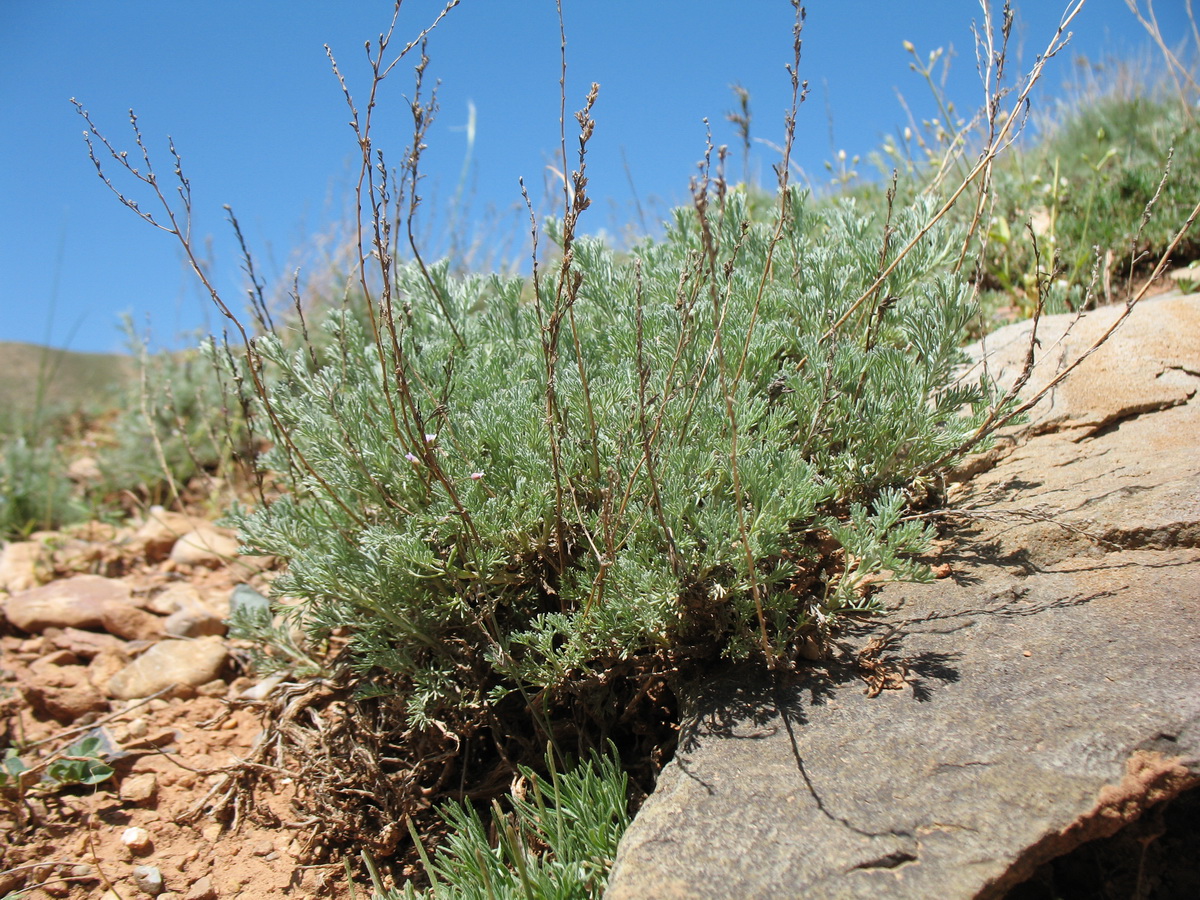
(502,487)
(701,446)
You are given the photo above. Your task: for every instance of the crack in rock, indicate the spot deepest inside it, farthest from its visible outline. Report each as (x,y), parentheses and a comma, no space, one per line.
(893,860)
(1183,369)
(1106,426)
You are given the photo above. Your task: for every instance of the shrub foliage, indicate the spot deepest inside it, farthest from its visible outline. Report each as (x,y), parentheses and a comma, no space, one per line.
(504,489)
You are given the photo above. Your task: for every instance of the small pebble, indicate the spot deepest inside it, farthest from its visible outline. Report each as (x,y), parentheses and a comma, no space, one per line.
(182,691)
(215,688)
(37,808)
(136,839)
(263,689)
(139,788)
(138,727)
(148,879)
(239,684)
(201,889)
(59,658)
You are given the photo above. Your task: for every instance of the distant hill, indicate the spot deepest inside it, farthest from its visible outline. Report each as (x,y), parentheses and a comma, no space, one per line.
(68,380)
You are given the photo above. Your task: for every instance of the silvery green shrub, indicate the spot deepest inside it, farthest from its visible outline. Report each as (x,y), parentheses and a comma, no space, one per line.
(500,487)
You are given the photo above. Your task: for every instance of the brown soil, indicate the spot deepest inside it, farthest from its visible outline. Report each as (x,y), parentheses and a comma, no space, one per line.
(177,776)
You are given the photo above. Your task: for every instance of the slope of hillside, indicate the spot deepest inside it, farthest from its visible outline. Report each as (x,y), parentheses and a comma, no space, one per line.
(57,380)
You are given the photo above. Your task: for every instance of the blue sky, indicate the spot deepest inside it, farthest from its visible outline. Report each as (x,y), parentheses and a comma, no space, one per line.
(245,90)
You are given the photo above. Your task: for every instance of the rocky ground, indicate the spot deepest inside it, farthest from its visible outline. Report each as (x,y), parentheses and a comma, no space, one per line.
(118,633)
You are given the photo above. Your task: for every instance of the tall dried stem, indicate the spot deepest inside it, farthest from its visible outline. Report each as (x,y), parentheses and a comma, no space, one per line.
(1004,136)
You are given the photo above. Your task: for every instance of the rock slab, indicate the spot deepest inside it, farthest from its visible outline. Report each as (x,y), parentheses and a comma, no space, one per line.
(168,663)
(1050,685)
(77,602)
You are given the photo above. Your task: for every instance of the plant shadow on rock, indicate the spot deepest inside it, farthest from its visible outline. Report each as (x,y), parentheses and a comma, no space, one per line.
(748,701)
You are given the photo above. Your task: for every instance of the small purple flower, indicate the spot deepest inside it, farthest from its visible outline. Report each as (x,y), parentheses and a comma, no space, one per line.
(412,459)
(475,476)
(430,438)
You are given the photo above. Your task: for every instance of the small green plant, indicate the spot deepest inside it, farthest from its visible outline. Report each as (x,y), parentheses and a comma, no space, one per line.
(81,763)
(557,840)
(11,768)
(1187,279)
(703,435)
